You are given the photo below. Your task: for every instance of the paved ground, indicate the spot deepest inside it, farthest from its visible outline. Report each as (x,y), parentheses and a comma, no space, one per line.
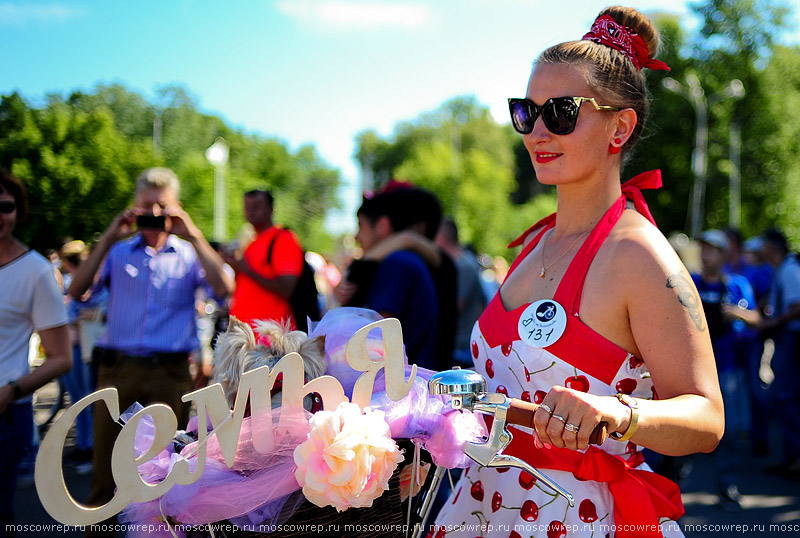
(771,504)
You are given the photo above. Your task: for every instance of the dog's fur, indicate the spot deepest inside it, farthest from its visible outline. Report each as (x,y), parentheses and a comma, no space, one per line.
(237,352)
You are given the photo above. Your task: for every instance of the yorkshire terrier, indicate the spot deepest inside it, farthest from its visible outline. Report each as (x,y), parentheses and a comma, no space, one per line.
(238,350)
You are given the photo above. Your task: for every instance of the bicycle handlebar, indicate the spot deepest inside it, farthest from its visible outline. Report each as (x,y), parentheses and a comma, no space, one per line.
(521,413)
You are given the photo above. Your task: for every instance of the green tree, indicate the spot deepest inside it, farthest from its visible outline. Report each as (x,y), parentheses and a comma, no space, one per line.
(736,41)
(739,29)
(79,158)
(464,157)
(133,115)
(781,191)
(75,164)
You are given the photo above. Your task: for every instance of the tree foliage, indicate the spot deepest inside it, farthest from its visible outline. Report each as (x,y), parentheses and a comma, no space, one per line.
(780,186)
(742,29)
(79,157)
(493,193)
(76,166)
(464,157)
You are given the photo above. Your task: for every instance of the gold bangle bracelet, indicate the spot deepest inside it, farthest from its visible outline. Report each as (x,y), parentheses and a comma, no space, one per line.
(633,405)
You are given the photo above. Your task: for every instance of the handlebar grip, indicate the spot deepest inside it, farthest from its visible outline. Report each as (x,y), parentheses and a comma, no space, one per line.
(521,413)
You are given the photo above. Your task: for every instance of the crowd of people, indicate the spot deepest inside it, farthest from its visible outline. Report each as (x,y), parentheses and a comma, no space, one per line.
(749,291)
(139,310)
(617,332)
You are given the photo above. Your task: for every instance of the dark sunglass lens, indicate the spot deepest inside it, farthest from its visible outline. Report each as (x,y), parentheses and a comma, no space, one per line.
(560,115)
(7,206)
(521,117)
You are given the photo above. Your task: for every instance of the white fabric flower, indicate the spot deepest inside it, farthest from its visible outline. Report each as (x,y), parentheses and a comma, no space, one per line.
(347,458)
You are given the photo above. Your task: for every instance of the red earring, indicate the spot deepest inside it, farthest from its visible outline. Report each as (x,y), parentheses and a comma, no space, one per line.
(615,149)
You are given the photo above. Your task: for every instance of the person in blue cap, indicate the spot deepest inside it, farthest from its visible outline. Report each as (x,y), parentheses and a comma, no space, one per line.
(728,302)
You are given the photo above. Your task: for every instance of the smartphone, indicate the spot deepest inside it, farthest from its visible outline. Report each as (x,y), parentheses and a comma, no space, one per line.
(152,222)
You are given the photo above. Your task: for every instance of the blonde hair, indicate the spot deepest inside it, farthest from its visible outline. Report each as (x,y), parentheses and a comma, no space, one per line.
(607,71)
(158,178)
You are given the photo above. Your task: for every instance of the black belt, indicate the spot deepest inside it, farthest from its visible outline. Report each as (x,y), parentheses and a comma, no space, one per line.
(108,357)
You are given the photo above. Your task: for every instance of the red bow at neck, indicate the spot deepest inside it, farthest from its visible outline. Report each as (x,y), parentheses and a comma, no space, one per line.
(631,189)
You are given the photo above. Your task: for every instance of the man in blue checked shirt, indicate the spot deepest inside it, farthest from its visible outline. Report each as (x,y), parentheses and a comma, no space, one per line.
(151,260)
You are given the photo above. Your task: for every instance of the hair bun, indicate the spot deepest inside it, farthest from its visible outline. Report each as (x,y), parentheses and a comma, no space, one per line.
(639,23)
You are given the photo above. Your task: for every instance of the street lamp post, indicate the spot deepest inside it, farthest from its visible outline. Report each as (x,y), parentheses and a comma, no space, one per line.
(457,119)
(217,155)
(157,134)
(735,220)
(695,94)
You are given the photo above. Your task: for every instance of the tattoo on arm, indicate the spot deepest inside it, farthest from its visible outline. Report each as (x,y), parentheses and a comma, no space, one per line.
(688,297)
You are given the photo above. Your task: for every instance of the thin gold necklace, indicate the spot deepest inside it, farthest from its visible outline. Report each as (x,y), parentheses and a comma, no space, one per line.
(569,249)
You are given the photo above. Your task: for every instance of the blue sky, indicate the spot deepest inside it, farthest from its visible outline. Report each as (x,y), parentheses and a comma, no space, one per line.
(306,71)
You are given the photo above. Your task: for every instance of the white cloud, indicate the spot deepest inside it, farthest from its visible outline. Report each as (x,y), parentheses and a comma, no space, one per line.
(27,13)
(356,13)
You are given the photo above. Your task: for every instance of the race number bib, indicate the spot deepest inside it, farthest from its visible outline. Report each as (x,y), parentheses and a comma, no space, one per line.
(542,323)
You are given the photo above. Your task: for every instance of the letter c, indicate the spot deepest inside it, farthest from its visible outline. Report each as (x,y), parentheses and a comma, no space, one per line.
(50,485)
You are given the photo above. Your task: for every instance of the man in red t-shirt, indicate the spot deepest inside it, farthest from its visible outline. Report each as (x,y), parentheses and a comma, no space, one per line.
(268,272)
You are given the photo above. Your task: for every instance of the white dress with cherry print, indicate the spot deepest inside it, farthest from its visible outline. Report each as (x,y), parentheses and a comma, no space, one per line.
(509,502)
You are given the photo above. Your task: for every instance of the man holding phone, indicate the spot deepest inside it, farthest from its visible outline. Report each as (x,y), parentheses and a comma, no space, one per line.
(151,259)
(153,222)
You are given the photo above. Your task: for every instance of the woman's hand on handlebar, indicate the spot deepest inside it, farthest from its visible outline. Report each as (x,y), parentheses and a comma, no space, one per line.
(566,418)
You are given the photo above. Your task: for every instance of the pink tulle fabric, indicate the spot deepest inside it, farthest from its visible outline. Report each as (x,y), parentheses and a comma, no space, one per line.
(428,421)
(260,490)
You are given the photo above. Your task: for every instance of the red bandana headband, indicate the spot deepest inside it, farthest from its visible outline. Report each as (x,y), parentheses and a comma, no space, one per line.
(610,33)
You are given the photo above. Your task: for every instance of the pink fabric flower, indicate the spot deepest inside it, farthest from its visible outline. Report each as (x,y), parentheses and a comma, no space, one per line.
(347,458)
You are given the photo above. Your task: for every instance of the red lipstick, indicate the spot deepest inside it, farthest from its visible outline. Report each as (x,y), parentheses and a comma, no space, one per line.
(546,157)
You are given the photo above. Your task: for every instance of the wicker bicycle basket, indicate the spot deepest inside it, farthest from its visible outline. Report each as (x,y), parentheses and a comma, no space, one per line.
(386,518)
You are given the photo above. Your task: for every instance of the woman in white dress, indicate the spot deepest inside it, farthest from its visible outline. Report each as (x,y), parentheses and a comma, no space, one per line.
(598,319)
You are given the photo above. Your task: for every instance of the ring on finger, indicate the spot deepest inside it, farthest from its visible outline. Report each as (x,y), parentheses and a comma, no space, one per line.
(572,428)
(546,408)
(559,417)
